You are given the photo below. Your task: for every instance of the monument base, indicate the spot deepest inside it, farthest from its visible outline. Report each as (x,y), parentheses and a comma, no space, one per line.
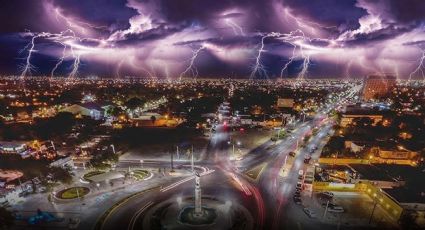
(206,217)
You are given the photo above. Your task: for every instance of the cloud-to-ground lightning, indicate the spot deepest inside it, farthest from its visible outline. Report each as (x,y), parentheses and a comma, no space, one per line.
(192,68)
(75,65)
(420,67)
(60,61)
(258,66)
(296,39)
(28,67)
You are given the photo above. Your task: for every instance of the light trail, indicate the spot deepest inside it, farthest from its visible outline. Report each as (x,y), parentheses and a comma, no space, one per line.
(241,185)
(175,184)
(138,213)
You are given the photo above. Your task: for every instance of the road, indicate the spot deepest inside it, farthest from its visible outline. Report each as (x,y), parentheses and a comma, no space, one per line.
(269,198)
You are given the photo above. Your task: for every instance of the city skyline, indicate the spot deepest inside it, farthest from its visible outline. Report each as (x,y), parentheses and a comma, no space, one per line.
(224,39)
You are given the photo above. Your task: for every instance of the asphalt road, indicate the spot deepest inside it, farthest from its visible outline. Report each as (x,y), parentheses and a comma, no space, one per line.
(269,198)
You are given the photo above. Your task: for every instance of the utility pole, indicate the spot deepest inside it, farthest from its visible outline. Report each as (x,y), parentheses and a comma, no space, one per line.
(326,209)
(172,165)
(178,154)
(191,162)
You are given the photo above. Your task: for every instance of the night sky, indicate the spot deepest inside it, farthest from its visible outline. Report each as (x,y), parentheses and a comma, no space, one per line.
(212,38)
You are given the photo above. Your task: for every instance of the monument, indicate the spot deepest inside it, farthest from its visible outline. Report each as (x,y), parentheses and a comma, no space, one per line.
(198,197)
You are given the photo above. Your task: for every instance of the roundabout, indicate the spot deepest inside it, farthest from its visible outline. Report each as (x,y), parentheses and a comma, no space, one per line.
(181,214)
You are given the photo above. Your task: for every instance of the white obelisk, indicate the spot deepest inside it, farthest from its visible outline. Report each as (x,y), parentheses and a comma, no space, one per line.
(198,205)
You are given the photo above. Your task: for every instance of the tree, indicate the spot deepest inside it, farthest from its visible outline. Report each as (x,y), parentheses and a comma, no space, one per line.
(153,119)
(62,174)
(134,103)
(407,221)
(114,111)
(363,121)
(6,218)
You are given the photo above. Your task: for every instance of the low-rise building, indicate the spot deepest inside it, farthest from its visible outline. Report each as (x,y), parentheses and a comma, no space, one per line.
(14,147)
(89,109)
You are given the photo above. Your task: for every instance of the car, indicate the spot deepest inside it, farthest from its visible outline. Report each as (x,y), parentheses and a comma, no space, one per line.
(299,185)
(292,154)
(310,213)
(336,209)
(328,194)
(300,177)
(297,200)
(297,193)
(307,158)
(301,172)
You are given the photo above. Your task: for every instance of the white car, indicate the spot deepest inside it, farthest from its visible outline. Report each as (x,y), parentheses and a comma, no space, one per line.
(328,194)
(337,209)
(310,213)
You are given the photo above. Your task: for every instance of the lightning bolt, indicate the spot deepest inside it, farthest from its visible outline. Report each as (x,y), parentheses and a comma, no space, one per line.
(75,24)
(258,66)
(28,67)
(75,65)
(420,67)
(291,59)
(237,30)
(59,38)
(117,71)
(60,61)
(191,68)
(295,39)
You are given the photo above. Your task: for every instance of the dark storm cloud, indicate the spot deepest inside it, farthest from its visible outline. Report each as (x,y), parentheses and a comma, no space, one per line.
(110,13)
(188,24)
(339,13)
(21,15)
(396,11)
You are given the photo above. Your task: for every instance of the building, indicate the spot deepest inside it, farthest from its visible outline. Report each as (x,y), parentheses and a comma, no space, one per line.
(63,162)
(89,109)
(14,147)
(398,153)
(377,86)
(352,113)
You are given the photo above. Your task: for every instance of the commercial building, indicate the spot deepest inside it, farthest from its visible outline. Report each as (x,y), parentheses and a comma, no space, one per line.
(89,109)
(376,86)
(14,147)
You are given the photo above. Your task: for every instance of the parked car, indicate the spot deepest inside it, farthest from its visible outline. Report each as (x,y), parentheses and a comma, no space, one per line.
(310,213)
(328,194)
(336,208)
(297,200)
(299,185)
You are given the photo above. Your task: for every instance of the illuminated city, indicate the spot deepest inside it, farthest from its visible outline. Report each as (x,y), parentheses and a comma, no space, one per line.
(224,114)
